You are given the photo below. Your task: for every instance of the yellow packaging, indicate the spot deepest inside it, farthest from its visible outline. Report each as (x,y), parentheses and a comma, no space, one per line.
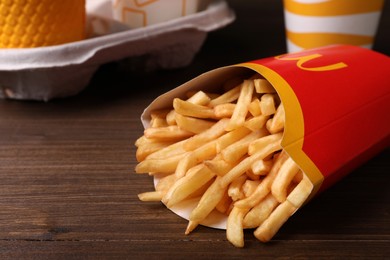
(35,23)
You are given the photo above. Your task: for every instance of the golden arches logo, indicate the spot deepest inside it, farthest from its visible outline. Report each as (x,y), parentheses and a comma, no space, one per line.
(303,59)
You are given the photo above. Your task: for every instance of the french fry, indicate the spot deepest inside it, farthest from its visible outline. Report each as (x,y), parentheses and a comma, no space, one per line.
(219,166)
(259,213)
(158,117)
(177,181)
(284,177)
(169,151)
(191,226)
(260,143)
(186,108)
(234,227)
(150,196)
(252,176)
(261,167)
(237,150)
(262,86)
(142,141)
(191,124)
(254,107)
(300,193)
(225,110)
(265,186)
(256,123)
(224,204)
(245,164)
(241,109)
(167,165)
(235,188)
(191,93)
(199,98)
(273,223)
(168,133)
(187,185)
(165,183)
(276,124)
(231,137)
(267,105)
(200,154)
(212,133)
(298,177)
(227,97)
(208,202)
(158,122)
(144,151)
(249,186)
(171,118)
(199,192)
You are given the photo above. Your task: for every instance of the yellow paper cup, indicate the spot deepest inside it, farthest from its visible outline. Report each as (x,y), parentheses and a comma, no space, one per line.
(141,13)
(35,23)
(316,23)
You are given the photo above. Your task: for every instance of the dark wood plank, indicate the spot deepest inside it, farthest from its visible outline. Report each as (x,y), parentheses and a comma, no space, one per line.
(174,249)
(68,189)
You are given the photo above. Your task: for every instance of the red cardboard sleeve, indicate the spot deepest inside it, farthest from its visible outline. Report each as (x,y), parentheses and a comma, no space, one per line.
(337,103)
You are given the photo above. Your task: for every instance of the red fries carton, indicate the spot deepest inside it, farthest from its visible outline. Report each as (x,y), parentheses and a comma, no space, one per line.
(337,103)
(336,100)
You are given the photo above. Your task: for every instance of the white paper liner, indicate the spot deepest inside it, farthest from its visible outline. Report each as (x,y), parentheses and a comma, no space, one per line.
(143,13)
(63,70)
(183,209)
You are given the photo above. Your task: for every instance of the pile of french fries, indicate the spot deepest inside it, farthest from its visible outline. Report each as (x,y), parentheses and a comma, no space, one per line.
(225,148)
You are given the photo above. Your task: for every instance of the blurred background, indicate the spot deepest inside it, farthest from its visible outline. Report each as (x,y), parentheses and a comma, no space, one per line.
(261,34)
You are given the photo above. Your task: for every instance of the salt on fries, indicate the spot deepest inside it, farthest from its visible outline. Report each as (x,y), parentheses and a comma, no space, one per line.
(225,149)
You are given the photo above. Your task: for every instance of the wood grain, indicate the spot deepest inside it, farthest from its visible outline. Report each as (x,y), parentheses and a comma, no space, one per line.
(68,188)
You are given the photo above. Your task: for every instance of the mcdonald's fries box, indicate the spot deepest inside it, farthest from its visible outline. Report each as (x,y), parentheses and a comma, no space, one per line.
(337,110)
(47,72)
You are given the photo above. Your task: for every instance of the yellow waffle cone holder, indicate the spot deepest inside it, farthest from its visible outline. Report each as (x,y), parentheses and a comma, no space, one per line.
(36,23)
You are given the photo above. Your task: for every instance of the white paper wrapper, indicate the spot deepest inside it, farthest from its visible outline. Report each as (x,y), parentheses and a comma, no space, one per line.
(144,13)
(64,70)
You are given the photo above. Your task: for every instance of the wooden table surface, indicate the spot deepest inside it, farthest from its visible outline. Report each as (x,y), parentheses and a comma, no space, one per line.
(68,188)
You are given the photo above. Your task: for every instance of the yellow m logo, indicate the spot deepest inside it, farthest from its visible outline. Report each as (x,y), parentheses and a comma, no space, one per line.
(301,61)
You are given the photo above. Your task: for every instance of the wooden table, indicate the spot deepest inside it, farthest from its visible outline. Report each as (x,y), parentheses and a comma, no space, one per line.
(68,188)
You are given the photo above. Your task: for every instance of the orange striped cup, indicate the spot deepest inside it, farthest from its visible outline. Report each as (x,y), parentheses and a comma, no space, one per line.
(36,23)
(315,23)
(141,13)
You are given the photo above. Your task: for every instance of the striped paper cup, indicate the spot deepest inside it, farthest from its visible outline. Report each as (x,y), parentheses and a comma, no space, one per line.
(36,23)
(316,23)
